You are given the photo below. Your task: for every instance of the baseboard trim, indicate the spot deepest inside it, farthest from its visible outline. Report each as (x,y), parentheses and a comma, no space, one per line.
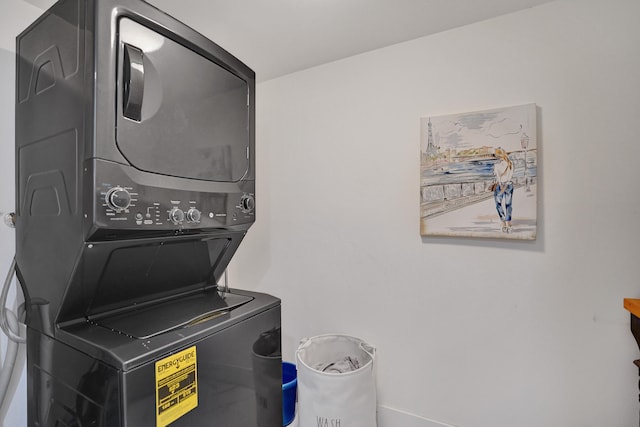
(390,417)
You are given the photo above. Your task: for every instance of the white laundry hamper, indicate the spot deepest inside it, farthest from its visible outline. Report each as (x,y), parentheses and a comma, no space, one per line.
(335,399)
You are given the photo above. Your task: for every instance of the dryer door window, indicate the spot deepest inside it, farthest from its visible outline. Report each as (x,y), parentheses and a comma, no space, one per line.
(179,113)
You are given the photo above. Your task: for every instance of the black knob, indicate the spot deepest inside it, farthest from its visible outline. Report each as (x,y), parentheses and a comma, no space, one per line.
(176,215)
(193,215)
(118,198)
(247,203)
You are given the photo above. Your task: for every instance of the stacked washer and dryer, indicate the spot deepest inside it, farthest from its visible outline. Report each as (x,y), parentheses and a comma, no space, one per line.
(135,184)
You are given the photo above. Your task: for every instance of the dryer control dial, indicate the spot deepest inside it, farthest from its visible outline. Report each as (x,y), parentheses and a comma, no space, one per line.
(247,203)
(193,215)
(118,199)
(176,216)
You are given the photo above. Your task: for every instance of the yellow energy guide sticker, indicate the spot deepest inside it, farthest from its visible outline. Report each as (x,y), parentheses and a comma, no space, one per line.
(176,386)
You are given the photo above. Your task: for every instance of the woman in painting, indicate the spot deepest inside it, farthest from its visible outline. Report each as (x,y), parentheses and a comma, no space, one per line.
(503,192)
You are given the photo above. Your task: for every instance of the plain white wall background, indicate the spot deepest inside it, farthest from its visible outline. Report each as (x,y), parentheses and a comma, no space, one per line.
(469,332)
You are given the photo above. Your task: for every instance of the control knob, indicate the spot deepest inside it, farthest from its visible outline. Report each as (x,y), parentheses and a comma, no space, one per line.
(247,203)
(193,215)
(176,216)
(118,199)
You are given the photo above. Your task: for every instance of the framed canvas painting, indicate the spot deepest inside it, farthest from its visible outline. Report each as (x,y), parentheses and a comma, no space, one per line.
(478,175)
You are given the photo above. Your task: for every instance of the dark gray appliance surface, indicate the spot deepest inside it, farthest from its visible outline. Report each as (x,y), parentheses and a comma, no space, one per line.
(135,185)
(239,377)
(199,91)
(95,186)
(125,351)
(120,275)
(166,316)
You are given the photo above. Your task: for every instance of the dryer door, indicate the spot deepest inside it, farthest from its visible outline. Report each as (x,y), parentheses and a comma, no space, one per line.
(179,113)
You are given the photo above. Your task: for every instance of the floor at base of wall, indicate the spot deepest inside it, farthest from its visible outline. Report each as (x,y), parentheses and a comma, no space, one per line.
(389,417)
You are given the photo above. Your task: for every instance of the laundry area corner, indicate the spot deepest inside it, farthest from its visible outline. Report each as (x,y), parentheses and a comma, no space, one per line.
(157,264)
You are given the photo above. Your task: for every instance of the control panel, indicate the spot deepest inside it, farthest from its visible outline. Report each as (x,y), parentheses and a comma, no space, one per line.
(122,203)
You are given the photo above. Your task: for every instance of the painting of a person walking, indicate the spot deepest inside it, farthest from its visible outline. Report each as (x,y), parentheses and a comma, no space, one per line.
(479,174)
(503,192)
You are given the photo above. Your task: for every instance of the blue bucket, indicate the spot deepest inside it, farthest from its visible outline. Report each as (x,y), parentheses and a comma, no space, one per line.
(289,386)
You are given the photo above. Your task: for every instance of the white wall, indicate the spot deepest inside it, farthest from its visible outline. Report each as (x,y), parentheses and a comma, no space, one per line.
(469,332)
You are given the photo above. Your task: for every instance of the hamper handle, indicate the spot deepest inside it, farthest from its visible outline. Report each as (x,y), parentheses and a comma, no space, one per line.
(369,349)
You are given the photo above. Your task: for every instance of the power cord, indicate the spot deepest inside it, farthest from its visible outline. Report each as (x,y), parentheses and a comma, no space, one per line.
(10,324)
(10,328)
